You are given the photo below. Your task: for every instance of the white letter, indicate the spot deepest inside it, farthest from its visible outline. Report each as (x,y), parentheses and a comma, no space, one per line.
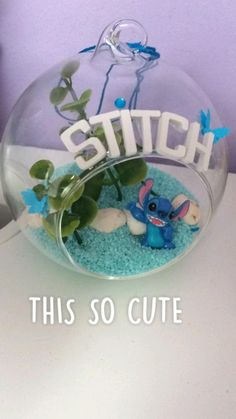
(193,144)
(50,312)
(34,308)
(177,121)
(96,317)
(66,136)
(100,153)
(145,309)
(94,142)
(103,310)
(176,311)
(163,307)
(130,314)
(72,316)
(128,133)
(146,127)
(59,310)
(105,119)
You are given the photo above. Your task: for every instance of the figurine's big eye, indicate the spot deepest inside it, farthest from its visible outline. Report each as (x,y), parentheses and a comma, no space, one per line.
(152,206)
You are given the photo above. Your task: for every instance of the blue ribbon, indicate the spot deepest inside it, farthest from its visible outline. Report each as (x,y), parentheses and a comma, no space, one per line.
(151,51)
(145,49)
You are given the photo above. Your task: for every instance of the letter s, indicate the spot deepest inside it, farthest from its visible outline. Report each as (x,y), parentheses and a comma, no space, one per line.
(70,311)
(96,316)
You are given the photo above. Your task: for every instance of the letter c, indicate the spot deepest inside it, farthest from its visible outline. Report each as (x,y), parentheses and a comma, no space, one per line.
(130,311)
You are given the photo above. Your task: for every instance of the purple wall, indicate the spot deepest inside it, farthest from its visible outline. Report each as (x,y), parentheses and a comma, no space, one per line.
(198,36)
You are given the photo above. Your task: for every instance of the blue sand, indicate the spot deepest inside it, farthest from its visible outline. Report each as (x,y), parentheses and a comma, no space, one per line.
(120,253)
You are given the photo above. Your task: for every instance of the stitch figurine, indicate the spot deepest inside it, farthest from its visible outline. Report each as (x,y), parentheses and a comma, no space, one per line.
(157,213)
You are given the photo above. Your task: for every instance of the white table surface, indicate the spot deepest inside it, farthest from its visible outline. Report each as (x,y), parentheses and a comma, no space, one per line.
(121,371)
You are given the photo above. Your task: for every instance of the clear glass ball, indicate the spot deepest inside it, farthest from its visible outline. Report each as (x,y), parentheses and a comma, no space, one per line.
(73,196)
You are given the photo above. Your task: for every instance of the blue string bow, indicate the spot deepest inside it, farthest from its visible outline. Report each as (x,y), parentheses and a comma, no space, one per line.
(152,53)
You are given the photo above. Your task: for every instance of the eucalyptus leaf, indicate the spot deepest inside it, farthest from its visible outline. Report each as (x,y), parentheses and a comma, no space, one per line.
(85,97)
(99,133)
(69,224)
(42,169)
(58,185)
(60,203)
(59,189)
(72,107)
(131,171)
(55,203)
(58,94)
(93,187)
(69,69)
(49,225)
(40,191)
(78,105)
(86,209)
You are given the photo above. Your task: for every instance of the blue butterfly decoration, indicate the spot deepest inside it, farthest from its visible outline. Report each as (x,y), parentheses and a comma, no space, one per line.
(219,133)
(35,205)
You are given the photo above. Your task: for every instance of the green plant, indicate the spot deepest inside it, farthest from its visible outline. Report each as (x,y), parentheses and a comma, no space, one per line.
(81,207)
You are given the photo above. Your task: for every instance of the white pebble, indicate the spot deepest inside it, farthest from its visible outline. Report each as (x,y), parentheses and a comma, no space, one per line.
(193,215)
(30,220)
(136,227)
(108,220)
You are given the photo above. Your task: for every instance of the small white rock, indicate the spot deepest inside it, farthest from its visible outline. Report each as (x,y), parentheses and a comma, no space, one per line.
(35,221)
(136,227)
(30,220)
(108,220)
(193,215)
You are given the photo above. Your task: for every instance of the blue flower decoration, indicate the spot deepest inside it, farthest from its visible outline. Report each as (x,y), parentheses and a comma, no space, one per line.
(219,133)
(35,205)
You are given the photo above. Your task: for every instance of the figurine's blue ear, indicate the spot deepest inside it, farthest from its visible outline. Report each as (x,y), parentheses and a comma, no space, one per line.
(144,192)
(180,211)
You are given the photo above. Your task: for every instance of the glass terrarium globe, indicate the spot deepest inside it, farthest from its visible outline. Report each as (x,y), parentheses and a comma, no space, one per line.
(113,162)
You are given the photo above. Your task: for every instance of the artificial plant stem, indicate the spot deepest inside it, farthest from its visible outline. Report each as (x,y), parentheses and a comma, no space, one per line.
(116,184)
(77,237)
(68,84)
(70,89)
(74,96)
